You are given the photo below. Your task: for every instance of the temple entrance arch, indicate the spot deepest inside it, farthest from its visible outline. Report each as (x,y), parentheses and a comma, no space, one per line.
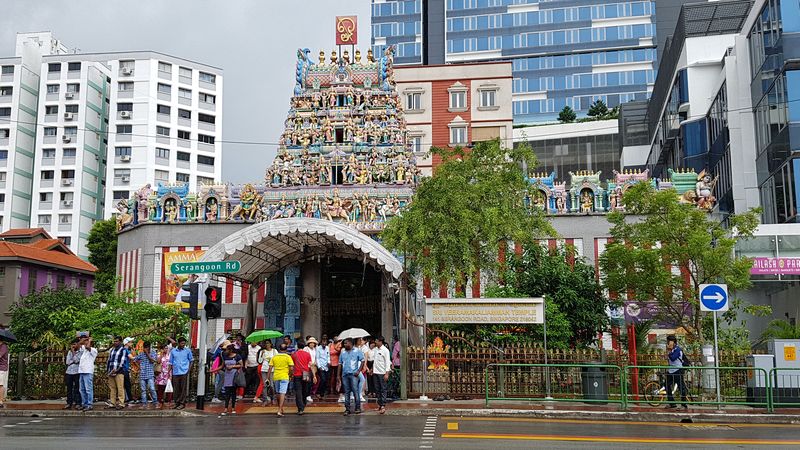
(327,267)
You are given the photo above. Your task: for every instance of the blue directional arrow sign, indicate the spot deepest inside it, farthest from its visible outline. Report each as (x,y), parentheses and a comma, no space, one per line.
(714,297)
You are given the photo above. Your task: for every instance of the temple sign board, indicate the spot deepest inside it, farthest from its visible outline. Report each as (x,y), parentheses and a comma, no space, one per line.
(484,310)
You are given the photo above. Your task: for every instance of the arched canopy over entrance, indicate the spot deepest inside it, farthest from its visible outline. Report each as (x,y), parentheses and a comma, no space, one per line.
(268,247)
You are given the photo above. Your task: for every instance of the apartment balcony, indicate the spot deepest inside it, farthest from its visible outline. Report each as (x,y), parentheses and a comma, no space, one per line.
(207,85)
(124,94)
(185,80)
(207,126)
(5,98)
(166,96)
(73,74)
(205,168)
(206,147)
(46,183)
(4,141)
(184,122)
(46,226)
(208,106)
(185,101)
(163,118)
(51,97)
(54,75)
(46,206)
(50,139)
(49,161)
(10,77)
(50,118)
(183,164)
(162,140)
(123,137)
(72,95)
(65,226)
(184,143)
(68,161)
(165,75)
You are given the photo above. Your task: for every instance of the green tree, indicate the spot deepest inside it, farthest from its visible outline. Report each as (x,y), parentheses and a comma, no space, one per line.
(567,115)
(458,216)
(573,289)
(102,245)
(781,329)
(660,234)
(598,110)
(51,318)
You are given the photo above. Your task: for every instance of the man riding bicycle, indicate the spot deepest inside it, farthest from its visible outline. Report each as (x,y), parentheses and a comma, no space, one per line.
(675,371)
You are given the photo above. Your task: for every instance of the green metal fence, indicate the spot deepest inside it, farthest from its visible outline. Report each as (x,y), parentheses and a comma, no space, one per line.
(783,386)
(587,383)
(648,385)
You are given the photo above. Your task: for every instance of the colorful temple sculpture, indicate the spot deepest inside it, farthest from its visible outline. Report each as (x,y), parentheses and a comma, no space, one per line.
(343,156)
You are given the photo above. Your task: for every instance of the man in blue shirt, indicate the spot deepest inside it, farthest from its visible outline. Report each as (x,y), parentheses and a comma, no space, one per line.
(675,371)
(115,372)
(352,363)
(180,359)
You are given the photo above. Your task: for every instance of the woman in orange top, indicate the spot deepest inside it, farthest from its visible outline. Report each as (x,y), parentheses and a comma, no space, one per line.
(335,347)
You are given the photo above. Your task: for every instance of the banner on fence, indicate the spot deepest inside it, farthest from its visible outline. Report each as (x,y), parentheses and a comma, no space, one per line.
(484,310)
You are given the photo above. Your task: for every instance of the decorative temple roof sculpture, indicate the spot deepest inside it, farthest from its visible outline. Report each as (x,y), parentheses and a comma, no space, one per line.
(344,155)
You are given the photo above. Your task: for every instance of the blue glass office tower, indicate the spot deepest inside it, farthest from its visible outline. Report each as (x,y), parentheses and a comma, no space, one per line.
(565,52)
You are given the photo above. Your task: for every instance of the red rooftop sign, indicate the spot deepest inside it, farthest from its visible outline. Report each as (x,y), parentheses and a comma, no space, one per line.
(346,30)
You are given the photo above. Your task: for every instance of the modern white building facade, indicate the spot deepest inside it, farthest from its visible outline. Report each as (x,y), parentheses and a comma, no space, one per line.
(78,132)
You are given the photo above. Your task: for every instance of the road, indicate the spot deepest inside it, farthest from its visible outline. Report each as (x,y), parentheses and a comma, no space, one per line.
(332,431)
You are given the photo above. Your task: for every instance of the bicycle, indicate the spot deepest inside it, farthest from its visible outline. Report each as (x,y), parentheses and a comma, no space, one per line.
(655,391)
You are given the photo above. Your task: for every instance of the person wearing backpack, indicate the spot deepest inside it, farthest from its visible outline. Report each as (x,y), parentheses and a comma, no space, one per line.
(676,359)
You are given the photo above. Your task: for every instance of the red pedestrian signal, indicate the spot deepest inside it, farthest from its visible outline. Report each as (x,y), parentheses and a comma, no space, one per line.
(213,305)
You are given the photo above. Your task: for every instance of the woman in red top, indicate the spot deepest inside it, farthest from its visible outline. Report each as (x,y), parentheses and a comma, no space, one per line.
(335,347)
(303,377)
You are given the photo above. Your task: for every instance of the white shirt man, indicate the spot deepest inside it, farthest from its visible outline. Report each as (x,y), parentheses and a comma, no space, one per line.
(381,366)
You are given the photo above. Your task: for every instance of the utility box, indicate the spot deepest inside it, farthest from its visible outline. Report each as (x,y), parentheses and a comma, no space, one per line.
(757,379)
(786,376)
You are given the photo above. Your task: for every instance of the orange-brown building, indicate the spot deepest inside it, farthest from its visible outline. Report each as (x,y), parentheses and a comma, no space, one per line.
(455,105)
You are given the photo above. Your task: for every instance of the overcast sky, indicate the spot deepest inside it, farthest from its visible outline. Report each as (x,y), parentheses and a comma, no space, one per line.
(253,41)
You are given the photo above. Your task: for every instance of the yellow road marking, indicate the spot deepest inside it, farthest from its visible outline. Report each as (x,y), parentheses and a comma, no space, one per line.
(626,440)
(620,422)
(452,426)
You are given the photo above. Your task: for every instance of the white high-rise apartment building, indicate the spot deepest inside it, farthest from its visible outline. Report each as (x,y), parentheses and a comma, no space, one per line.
(79,132)
(19,92)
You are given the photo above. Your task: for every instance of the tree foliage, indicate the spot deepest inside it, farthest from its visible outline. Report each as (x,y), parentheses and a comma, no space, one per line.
(665,249)
(460,214)
(598,109)
(567,115)
(781,329)
(51,318)
(102,245)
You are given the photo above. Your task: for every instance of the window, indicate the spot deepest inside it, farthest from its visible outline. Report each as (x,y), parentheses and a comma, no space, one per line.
(65,218)
(122,173)
(207,160)
(5,112)
(3,157)
(458,135)
(162,131)
(69,153)
(67,174)
(51,109)
(184,93)
(205,139)
(8,70)
(125,86)
(208,77)
(488,98)
(44,219)
(183,156)
(122,151)
(82,284)
(54,67)
(182,134)
(4,133)
(185,72)
(50,131)
(208,98)
(182,177)
(162,176)
(162,153)
(73,88)
(52,89)
(164,88)
(163,109)
(416,144)
(121,195)
(458,99)
(184,114)
(71,109)
(67,196)
(45,196)
(127,65)
(204,180)
(165,67)
(6,90)
(414,101)
(71,131)
(32,274)
(49,153)
(124,129)
(125,107)
(48,174)
(74,66)
(66,240)
(207,118)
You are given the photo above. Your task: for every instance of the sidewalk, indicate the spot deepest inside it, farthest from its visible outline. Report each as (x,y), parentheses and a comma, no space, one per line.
(555,411)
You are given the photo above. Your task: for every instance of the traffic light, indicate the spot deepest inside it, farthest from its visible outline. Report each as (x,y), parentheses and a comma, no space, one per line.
(213,302)
(192,299)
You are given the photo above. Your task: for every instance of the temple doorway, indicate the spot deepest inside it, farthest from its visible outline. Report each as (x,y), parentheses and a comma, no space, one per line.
(350,296)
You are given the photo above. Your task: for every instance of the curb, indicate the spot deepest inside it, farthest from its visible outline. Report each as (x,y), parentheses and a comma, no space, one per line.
(93,413)
(689,417)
